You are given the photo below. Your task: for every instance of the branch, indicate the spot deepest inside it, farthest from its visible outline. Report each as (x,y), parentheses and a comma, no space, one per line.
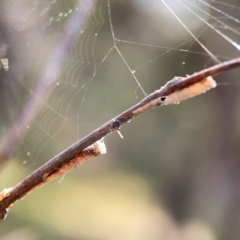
(98,148)
(45,84)
(178,89)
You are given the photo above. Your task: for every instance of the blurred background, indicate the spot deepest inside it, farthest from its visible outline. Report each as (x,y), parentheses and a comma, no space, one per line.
(176,173)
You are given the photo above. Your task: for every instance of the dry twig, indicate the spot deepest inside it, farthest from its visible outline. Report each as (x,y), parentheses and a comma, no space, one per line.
(94,150)
(157,98)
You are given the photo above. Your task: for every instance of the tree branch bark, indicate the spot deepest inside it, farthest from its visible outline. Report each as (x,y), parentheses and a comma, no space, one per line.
(68,155)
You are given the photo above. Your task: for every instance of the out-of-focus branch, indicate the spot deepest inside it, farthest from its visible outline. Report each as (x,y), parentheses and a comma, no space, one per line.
(64,158)
(74,26)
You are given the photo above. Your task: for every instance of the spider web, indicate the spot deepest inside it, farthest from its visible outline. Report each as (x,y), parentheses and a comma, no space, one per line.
(116,58)
(126,49)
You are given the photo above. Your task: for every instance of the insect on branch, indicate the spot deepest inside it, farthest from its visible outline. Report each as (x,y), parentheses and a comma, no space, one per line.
(174,91)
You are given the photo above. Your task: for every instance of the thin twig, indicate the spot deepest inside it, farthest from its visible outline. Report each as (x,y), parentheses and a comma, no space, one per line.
(94,150)
(45,84)
(114,124)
